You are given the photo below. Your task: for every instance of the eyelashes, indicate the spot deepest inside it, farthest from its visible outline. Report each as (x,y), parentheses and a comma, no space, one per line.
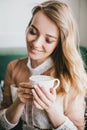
(35,33)
(32,32)
(49,41)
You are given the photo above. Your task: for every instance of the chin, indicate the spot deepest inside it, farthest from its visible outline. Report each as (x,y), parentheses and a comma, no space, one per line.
(33,57)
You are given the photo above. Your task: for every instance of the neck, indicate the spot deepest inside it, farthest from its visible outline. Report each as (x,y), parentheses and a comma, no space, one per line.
(38,67)
(35,63)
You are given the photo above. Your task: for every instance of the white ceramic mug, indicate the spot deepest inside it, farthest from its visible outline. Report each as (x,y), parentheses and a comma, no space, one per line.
(13,92)
(45,81)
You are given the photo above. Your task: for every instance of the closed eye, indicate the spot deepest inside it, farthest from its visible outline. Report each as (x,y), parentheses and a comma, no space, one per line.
(49,41)
(32,31)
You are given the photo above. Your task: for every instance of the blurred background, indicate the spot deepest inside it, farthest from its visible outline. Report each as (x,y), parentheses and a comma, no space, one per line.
(15,15)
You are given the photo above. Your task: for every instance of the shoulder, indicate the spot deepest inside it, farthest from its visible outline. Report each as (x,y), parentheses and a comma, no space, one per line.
(17,62)
(73,97)
(75,107)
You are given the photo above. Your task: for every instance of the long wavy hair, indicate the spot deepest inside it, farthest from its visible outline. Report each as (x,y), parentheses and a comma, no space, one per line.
(69,67)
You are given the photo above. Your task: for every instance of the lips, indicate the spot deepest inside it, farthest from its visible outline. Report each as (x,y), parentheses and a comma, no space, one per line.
(34,50)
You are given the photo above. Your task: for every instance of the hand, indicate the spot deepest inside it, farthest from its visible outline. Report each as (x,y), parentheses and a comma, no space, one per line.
(25,92)
(42,98)
(46,100)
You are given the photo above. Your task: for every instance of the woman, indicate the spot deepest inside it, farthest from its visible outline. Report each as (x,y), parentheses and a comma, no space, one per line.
(52,50)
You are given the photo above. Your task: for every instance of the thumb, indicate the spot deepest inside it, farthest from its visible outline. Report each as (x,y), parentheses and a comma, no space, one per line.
(53,91)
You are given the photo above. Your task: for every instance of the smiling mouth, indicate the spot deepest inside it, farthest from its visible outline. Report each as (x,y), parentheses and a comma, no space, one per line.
(34,50)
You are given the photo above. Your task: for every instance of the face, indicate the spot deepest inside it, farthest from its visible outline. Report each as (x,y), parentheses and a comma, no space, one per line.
(42,37)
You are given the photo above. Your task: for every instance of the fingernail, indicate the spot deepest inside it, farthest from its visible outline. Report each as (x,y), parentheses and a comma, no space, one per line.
(35,86)
(33,91)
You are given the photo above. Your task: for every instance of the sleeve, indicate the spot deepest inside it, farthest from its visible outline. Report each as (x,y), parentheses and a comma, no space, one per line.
(7,99)
(4,123)
(75,109)
(67,125)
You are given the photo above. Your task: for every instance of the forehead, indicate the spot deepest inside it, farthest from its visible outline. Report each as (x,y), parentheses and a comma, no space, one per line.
(44,23)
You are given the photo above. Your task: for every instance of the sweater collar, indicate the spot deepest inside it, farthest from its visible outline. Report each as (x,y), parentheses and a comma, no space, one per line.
(40,68)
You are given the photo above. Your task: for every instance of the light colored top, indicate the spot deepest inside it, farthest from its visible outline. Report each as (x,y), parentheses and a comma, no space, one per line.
(73,107)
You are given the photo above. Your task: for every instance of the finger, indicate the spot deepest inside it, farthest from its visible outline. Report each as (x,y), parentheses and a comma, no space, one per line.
(24,90)
(25,85)
(43,97)
(24,98)
(37,105)
(38,100)
(48,94)
(53,91)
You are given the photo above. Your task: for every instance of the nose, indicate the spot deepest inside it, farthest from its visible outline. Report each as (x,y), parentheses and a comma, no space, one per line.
(39,41)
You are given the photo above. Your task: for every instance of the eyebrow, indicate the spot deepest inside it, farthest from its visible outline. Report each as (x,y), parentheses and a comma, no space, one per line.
(34,27)
(52,36)
(46,34)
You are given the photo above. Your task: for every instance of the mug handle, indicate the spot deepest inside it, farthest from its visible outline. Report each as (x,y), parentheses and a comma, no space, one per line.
(58,82)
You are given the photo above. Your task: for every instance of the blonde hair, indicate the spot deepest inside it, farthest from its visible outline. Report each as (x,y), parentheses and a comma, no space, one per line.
(69,67)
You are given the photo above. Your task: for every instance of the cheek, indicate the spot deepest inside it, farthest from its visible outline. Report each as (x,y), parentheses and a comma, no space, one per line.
(50,48)
(27,37)
(27,41)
